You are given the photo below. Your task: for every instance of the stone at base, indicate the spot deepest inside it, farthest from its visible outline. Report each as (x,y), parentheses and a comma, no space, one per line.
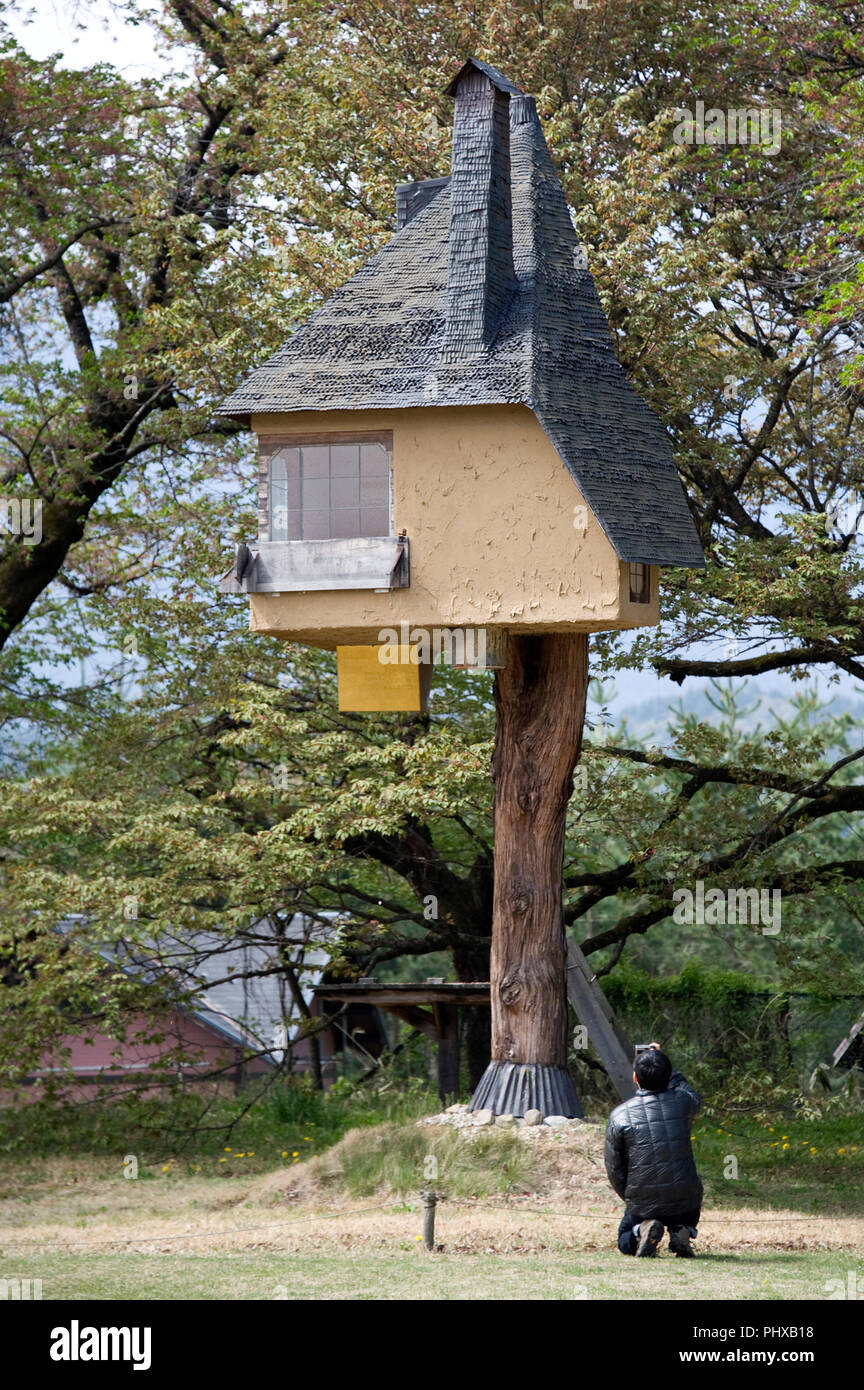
(533,1117)
(484,1117)
(514,1088)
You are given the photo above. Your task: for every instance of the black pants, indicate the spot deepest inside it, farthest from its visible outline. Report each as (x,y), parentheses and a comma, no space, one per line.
(628,1242)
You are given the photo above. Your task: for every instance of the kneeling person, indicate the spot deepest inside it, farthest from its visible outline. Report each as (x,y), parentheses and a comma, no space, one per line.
(649,1159)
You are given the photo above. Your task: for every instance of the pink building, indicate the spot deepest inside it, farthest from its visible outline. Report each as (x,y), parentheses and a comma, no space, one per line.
(239,1023)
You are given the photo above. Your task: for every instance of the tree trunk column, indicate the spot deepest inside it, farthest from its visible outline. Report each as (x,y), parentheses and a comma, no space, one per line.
(540,705)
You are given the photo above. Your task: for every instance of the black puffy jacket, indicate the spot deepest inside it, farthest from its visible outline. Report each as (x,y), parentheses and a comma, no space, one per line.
(648,1155)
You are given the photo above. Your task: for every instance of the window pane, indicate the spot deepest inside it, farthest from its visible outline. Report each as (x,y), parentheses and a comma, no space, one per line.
(345,492)
(374,521)
(284,492)
(316,526)
(278,523)
(284,524)
(374,461)
(344,460)
(376,492)
(639,584)
(316,460)
(345,524)
(285,464)
(316,494)
(321,491)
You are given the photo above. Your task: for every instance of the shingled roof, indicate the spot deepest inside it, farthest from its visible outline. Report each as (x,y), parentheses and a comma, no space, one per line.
(483,297)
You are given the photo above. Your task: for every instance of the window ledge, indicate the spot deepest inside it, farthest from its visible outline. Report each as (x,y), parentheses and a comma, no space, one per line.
(363,562)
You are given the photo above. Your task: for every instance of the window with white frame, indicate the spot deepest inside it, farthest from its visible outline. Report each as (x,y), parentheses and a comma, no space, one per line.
(329,490)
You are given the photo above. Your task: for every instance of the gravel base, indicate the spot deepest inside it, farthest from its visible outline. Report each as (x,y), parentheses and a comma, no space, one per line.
(530,1126)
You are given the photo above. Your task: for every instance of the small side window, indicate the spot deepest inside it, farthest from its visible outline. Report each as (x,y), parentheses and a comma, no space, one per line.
(640,584)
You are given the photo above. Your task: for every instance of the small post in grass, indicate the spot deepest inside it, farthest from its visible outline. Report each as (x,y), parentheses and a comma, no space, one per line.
(429,1201)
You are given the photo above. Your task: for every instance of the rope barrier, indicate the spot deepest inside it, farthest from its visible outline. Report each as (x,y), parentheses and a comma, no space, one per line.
(613,1216)
(200,1235)
(381,1206)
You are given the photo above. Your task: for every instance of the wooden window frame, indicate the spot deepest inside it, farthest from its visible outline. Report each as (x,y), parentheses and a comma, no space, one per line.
(639,581)
(270,444)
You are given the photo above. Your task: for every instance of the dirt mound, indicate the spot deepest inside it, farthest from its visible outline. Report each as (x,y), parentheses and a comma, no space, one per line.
(324,1173)
(550,1165)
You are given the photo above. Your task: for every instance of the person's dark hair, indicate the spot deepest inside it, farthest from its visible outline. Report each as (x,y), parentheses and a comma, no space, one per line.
(653,1070)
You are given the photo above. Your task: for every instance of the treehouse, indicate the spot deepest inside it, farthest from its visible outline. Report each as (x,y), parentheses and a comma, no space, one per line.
(452,464)
(449,445)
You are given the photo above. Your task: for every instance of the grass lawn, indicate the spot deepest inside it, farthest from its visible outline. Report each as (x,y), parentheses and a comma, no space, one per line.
(317,1216)
(414,1274)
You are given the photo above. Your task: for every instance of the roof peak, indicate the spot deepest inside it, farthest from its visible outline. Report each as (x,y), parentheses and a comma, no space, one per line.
(484,298)
(481,279)
(497,78)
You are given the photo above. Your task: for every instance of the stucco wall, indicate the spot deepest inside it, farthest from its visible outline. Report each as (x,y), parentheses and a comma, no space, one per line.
(488,507)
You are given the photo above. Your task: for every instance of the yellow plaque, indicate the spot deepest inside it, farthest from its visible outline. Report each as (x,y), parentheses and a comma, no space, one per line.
(369,686)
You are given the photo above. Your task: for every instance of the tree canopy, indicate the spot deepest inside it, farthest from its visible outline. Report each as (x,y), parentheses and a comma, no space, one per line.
(160,237)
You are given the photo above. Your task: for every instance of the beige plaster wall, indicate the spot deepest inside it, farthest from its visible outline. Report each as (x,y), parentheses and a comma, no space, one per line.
(488,506)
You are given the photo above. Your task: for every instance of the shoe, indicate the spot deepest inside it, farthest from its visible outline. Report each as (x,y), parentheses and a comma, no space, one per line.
(650,1236)
(679,1243)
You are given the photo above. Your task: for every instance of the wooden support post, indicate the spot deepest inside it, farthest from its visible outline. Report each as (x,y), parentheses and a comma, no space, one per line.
(429,1201)
(540,704)
(851,1049)
(447,1021)
(592,1008)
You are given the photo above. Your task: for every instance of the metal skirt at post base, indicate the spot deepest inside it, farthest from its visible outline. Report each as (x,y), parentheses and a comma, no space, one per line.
(511,1088)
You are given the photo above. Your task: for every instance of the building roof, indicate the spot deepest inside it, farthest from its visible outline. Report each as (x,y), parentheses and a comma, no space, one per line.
(246,996)
(392,336)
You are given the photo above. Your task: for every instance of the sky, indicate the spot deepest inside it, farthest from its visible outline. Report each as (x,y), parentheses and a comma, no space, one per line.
(84,32)
(92,31)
